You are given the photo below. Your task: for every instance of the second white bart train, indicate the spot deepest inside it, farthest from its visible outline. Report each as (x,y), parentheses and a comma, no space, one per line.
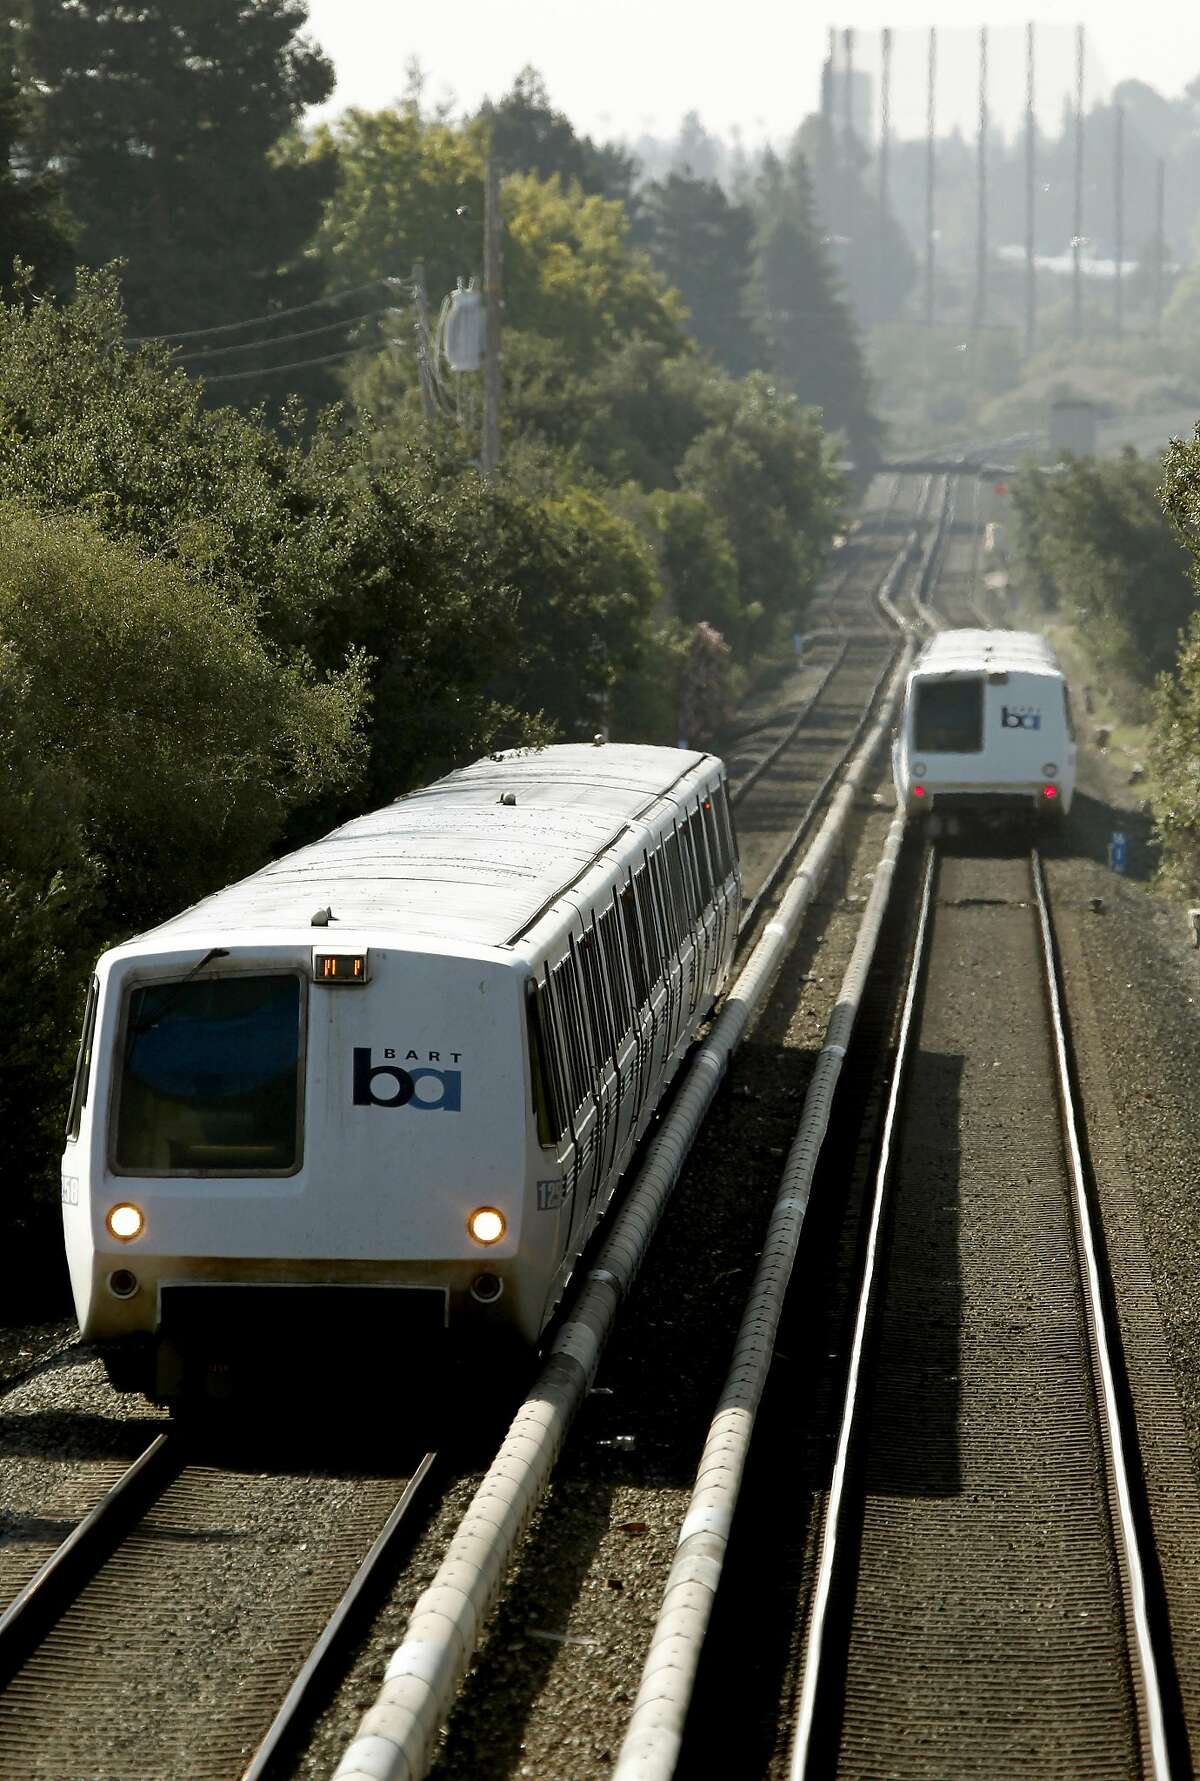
(375,1098)
(986,729)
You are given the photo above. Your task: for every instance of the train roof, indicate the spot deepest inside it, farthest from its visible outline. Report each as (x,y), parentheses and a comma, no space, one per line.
(450,861)
(987,652)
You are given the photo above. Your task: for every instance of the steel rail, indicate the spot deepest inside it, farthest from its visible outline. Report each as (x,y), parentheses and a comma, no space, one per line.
(396,1738)
(654,1735)
(296,1703)
(1147,1685)
(886,588)
(814,1644)
(751,908)
(749,780)
(57,1582)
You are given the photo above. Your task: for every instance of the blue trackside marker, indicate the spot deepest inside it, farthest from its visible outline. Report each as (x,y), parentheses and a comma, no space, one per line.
(1118,850)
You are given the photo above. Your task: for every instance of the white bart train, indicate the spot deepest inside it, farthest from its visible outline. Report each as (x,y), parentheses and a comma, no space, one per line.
(377,1096)
(985,728)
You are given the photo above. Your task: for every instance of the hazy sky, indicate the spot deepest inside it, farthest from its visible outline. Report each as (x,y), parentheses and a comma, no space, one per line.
(618,67)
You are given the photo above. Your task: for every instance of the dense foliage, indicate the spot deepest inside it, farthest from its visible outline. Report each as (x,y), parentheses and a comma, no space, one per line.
(1176,741)
(1094,544)
(151,747)
(160,121)
(222,631)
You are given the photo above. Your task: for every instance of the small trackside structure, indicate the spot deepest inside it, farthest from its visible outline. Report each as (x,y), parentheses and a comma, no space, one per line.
(375,1098)
(985,729)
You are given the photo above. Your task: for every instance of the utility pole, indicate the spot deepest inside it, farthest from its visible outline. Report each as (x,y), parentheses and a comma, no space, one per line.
(827,154)
(1077,225)
(1118,219)
(1030,197)
(930,122)
(1160,242)
(849,158)
(885,140)
(492,227)
(424,368)
(981,233)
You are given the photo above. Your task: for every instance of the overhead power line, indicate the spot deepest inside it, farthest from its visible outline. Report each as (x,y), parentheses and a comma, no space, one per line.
(296,365)
(347,321)
(253,321)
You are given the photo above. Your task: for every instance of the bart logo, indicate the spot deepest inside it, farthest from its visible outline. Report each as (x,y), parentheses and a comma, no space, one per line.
(424,1090)
(1020,717)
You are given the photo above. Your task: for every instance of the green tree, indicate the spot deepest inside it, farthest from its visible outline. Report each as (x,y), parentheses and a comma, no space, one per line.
(408,188)
(700,241)
(812,340)
(1096,538)
(529,136)
(151,748)
(326,551)
(763,468)
(162,120)
(867,245)
(34,227)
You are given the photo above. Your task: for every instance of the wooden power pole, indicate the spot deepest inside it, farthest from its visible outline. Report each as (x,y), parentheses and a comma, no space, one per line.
(492,257)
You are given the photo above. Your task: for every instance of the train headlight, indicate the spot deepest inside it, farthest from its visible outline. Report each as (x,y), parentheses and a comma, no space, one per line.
(919,769)
(1050,770)
(487,1225)
(126,1221)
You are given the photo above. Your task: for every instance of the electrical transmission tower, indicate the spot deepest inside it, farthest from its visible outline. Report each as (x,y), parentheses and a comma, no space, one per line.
(1030,196)
(1077,222)
(981,234)
(930,173)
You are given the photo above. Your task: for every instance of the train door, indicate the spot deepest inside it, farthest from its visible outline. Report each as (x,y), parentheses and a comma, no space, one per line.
(552,1103)
(639,978)
(568,999)
(620,998)
(665,915)
(657,1000)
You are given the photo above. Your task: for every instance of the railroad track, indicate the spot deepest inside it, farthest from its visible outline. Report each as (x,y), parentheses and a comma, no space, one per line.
(88,1646)
(397,1735)
(963,1536)
(780,781)
(156,1561)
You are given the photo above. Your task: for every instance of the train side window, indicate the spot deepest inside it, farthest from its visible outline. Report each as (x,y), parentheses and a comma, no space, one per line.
(643,891)
(719,867)
(593,983)
(726,832)
(556,1047)
(662,903)
(633,944)
(547,1107)
(566,990)
(610,943)
(691,872)
(675,878)
(83,1062)
(704,872)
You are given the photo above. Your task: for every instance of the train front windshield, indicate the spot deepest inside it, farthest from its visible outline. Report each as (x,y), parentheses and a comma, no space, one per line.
(210,1078)
(949,717)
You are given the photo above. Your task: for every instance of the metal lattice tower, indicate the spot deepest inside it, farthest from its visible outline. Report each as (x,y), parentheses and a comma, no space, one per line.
(1030,196)
(1118,219)
(1077,220)
(981,231)
(930,174)
(849,157)
(1160,242)
(885,136)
